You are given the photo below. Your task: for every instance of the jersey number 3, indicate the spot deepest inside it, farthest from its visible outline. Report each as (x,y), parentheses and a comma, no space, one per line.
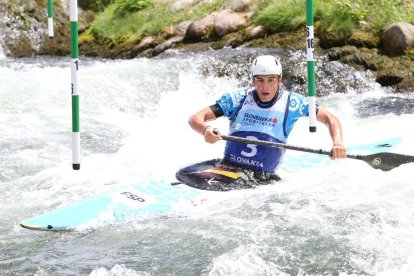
(252,148)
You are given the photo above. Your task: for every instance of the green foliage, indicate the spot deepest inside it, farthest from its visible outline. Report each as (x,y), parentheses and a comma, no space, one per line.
(130,6)
(282,16)
(134,25)
(94,5)
(133,19)
(340,17)
(375,15)
(354,10)
(383,13)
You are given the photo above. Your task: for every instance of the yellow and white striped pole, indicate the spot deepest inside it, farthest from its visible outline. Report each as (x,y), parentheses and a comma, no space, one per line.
(74,53)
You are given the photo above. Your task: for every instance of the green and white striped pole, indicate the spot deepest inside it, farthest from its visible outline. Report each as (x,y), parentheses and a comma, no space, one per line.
(74,53)
(311,65)
(49,18)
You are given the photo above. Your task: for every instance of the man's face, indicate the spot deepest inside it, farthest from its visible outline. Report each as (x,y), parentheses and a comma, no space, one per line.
(266,86)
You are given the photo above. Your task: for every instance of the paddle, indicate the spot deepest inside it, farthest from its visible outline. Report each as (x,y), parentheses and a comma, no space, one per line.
(385,161)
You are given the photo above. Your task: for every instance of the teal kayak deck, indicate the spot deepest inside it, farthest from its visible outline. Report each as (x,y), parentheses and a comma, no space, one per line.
(151,197)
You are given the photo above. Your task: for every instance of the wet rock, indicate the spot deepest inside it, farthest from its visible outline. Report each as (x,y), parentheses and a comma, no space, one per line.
(286,40)
(146,54)
(406,85)
(389,77)
(167,44)
(336,53)
(364,39)
(330,40)
(388,71)
(145,43)
(21,47)
(231,40)
(21,32)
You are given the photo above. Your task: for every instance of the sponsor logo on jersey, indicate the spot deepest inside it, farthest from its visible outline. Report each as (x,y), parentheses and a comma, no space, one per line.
(294,103)
(250,118)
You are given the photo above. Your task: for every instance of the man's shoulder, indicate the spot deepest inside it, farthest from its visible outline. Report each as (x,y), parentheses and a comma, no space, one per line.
(238,94)
(241,91)
(291,93)
(295,96)
(231,101)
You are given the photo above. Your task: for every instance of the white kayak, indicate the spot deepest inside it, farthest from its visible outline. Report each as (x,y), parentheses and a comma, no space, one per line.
(197,183)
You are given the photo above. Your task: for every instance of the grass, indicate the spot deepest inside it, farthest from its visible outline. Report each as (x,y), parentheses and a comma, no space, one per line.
(131,20)
(150,20)
(340,17)
(282,16)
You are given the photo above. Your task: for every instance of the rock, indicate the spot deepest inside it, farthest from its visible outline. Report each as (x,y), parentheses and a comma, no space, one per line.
(240,5)
(231,40)
(182,5)
(182,27)
(287,40)
(200,29)
(167,44)
(364,39)
(255,32)
(94,5)
(146,54)
(20,47)
(330,39)
(168,32)
(406,85)
(336,53)
(398,37)
(389,71)
(147,42)
(85,20)
(227,22)
(388,78)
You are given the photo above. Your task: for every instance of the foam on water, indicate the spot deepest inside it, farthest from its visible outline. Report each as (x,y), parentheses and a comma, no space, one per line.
(341,218)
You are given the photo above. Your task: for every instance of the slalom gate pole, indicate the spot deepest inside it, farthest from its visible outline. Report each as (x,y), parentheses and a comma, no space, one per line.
(49,18)
(74,53)
(310,65)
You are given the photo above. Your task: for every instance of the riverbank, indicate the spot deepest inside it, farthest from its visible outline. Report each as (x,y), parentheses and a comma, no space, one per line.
(106,31)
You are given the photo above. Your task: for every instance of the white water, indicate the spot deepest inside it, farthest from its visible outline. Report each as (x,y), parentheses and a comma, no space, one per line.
(340,218)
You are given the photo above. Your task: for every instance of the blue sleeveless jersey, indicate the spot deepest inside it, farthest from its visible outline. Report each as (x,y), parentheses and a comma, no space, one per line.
(271,123)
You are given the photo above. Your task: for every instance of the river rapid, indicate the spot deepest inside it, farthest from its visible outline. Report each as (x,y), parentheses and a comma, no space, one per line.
(339,218)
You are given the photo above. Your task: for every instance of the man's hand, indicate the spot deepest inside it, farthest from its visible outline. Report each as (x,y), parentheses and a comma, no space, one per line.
(211,135)
(338,152)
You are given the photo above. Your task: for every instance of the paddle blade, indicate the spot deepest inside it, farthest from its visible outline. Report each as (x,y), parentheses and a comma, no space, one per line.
(387,161)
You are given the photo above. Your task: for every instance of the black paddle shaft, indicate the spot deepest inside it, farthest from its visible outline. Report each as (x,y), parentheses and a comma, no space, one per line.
(384,160)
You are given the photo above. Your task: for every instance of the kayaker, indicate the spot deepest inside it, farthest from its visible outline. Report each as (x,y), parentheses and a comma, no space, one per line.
(266,112)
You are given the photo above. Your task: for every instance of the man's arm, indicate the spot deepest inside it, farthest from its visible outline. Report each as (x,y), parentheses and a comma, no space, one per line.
(335,130)
(198,123)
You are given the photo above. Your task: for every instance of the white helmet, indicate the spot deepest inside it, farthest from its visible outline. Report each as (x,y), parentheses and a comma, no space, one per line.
(266,65)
